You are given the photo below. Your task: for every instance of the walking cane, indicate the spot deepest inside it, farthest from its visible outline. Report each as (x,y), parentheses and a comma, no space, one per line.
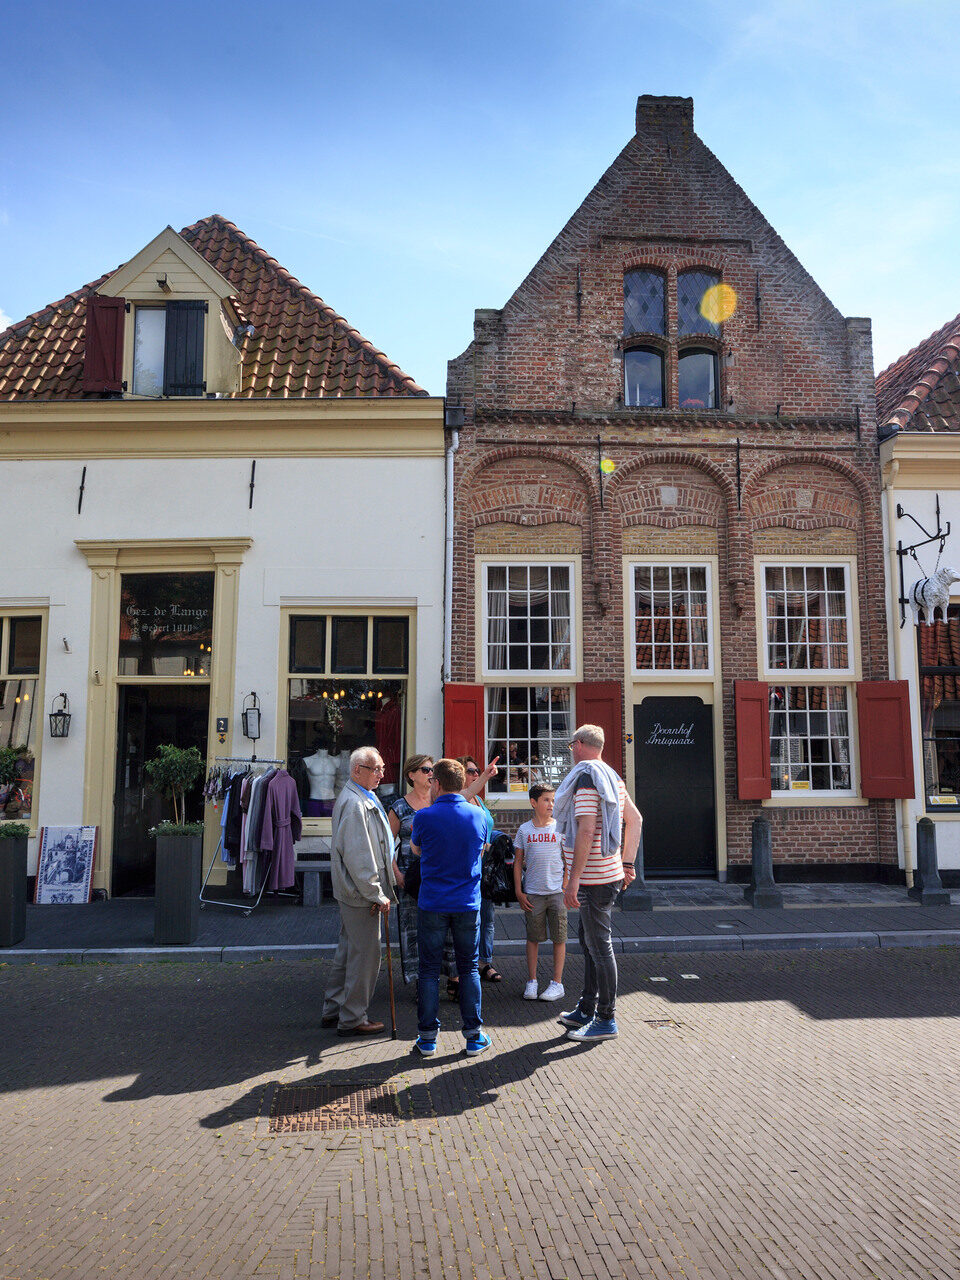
(393,1005)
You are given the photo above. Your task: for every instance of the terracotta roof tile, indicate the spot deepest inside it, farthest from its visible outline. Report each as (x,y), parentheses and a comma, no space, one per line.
(300,346)
(921,390)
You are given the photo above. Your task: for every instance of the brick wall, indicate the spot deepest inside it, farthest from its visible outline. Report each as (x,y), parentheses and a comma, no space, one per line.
(787,465)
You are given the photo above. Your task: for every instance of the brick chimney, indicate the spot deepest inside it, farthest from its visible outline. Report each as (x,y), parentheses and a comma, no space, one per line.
(670,117)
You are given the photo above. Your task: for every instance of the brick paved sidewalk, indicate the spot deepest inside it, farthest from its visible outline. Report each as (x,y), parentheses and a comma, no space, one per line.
(765,1115)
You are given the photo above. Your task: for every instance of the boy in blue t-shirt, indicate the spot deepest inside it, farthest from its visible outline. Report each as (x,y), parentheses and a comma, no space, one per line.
(449,837)
(540,877)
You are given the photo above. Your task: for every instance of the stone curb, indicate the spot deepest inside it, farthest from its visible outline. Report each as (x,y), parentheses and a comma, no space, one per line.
(656,944)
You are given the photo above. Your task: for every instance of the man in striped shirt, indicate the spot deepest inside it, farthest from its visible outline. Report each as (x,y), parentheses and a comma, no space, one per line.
(600,826)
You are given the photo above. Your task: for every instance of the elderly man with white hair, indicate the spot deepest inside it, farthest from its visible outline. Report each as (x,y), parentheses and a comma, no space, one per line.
(361,868)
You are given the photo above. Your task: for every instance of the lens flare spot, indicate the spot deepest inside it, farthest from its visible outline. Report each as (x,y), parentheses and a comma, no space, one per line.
(718,303)
(607,466)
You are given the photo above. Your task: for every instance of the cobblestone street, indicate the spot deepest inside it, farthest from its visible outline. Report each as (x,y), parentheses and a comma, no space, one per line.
(770,1114)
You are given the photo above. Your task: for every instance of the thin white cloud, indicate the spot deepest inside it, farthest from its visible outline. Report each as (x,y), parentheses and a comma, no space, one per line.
(5,320)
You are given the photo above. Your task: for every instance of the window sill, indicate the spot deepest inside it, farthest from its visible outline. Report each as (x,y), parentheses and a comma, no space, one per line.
(661,676)
(813,800)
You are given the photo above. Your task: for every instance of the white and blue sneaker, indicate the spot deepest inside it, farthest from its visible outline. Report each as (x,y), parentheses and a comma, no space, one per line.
(426,1048)
(477,1043)
(575,1018)
(597,1029)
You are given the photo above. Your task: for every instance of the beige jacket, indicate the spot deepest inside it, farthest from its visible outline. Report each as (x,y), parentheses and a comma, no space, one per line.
(361,850)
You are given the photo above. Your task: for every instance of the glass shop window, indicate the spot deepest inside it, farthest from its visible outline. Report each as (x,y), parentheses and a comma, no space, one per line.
(347,688)
(938,649)
(166,624)
(21,713)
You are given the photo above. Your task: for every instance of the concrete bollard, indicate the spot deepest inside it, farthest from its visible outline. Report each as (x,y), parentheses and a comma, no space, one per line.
(637,897)
(762,890)
(927,886)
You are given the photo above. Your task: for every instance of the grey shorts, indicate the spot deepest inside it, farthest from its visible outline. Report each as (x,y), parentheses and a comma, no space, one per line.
(548,912)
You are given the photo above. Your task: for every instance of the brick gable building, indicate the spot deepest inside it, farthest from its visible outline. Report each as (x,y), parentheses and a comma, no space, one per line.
(668,521)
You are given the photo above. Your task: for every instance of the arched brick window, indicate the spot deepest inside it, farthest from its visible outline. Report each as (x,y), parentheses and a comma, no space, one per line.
(697,378)
(643,378)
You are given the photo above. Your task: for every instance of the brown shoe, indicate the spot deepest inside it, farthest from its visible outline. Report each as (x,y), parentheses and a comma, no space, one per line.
(361,1029)
(329,1019)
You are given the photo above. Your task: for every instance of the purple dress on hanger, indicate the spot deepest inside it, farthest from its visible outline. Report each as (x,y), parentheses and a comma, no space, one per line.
(281,827)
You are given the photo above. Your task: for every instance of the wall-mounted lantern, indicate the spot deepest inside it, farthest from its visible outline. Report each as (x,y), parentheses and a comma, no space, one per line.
(60,717)
(250,717)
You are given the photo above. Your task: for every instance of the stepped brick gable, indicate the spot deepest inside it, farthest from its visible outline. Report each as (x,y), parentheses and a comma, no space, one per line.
(771,459)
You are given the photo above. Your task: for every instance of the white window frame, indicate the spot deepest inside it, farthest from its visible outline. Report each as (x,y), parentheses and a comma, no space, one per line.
(663,674)
(512,676)
(794,790)
(520,795)
(848,676)
(139,310)
(809,675)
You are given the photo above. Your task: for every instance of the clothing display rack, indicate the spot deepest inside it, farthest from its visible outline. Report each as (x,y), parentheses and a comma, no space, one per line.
(245,907)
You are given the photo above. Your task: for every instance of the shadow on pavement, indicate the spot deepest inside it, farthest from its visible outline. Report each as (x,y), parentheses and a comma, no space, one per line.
(162,1030)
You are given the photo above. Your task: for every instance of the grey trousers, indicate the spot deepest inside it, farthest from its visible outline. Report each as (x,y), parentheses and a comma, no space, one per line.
(599,963)
(356,965)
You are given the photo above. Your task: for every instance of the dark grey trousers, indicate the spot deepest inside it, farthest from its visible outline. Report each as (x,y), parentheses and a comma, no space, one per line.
(599,963)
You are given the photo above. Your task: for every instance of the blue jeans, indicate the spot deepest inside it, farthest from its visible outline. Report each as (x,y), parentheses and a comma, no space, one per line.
(486,931)
(431,930)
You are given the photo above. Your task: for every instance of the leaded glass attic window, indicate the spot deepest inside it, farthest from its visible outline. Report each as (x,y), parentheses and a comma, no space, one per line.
(691,286)
(643,308)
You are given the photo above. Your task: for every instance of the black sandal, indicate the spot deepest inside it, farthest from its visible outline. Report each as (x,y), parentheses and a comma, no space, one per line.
(489,974)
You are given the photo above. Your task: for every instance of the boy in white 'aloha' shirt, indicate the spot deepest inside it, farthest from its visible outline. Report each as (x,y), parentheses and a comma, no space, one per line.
(540,877)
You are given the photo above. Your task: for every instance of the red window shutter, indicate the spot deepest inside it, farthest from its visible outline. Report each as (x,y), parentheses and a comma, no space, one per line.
(752,699)
(886,747)
(463,721)
(103,352)
(601,702)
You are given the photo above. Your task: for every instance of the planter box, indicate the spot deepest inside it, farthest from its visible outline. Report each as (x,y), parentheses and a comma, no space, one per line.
(13,891)
(176,903)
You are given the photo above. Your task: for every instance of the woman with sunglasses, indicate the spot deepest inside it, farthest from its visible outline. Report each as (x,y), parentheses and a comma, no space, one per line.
(487,917)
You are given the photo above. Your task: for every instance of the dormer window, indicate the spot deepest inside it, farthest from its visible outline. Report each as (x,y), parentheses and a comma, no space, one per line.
(168,350)
(148,336)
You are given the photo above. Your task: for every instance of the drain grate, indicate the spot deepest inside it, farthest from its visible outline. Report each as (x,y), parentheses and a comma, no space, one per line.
(349,1105)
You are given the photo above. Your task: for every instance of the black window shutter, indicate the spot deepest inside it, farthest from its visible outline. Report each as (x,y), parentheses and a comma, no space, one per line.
(183,353)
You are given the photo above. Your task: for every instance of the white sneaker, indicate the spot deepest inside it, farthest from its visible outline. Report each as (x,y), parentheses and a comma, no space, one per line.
(530,990)
(553,992)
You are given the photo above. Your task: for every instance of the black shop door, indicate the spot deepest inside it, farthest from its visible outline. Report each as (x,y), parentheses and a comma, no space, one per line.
(149,715)
(673,760)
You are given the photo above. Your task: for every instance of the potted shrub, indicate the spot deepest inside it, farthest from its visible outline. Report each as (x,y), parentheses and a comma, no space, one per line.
(13,882)
(176,904)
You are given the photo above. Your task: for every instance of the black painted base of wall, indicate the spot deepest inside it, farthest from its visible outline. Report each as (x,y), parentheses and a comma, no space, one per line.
(832,873)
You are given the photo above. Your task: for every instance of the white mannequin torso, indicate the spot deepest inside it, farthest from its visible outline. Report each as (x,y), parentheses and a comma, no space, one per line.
(321,769)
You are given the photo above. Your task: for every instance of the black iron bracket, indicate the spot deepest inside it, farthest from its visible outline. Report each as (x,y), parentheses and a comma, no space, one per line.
(940,536)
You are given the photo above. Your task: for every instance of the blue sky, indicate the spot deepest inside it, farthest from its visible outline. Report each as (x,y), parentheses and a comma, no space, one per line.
(410,161)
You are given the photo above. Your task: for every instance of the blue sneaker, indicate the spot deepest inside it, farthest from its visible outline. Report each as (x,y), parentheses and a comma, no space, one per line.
(597,1029)
(477,1043)
(426,1048)
(575,1018)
